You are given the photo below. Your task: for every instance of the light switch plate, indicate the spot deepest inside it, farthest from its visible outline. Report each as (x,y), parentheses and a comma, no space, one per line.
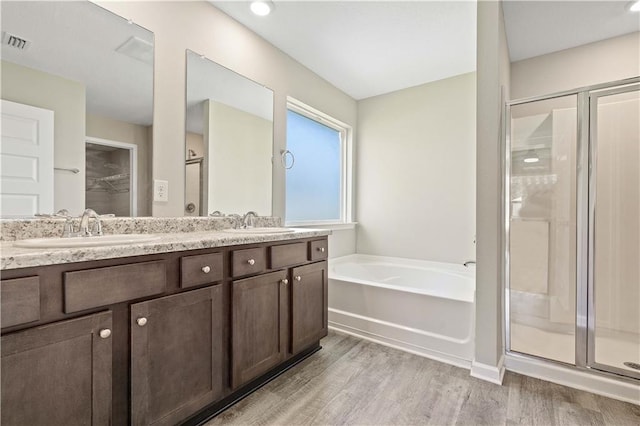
(160,190)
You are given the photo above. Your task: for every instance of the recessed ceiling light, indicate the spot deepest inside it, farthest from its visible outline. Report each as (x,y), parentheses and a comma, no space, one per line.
(262,7)
(634,6)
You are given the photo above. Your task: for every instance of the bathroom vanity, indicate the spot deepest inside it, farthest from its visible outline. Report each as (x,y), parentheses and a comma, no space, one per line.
(163,332)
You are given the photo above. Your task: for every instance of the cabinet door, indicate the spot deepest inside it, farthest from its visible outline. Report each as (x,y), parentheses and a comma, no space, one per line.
(308,305)
(259,325)
(58,374)
(176,355)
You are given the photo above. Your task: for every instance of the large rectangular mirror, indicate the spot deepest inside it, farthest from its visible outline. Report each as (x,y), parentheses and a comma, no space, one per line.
(229,141)
(77,83)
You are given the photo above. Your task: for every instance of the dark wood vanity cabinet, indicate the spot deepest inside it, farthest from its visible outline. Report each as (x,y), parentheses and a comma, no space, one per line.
(58,374)
(258,325)
(157,339)
(309,305)
(279,314)
(176,355)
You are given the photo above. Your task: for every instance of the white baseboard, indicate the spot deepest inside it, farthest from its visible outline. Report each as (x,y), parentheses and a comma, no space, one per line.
(489,373)
(599,384)
(403,346)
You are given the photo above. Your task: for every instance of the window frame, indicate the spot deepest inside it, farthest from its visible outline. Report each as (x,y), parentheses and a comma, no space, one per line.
(346,163)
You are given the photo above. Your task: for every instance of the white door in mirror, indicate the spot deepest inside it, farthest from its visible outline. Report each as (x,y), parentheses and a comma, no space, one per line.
(26,153)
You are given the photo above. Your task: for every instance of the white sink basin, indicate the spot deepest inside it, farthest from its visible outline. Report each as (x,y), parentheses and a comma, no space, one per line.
(104,240)
(259,231)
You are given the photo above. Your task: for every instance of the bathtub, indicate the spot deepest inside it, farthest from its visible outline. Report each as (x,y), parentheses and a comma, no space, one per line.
(422,307)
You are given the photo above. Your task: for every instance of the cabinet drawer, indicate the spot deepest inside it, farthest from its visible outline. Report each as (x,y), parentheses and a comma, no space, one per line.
(247,261)
(20,301)
(105,286)
(287,255)
(318,250)
(200,269)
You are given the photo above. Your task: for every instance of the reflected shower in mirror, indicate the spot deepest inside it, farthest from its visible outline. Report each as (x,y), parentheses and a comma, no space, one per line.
(229,141)
(92,71)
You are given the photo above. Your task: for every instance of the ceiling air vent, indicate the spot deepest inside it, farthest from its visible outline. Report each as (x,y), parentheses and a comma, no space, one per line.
(15,41)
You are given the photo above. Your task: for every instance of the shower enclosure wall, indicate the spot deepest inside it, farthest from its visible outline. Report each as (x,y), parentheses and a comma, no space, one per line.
(110,177)
(572,212)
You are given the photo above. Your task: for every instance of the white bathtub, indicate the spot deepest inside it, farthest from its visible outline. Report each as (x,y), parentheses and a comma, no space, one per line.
(421,307)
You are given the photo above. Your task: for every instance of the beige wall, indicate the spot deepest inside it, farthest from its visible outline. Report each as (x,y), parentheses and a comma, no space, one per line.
(416,172)
(608,60)
(198,26)
(212,33)
(239,161)
(66,99)
(119,131)
(493,79)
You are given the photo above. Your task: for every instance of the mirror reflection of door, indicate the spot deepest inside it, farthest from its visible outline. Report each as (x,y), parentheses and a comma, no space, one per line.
(26,157)
(193,201)
(111,175)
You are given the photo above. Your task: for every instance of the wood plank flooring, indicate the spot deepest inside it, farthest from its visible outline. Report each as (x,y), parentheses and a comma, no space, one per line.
(355,382)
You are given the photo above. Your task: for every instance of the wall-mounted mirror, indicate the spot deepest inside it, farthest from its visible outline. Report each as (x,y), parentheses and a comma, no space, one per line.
(229,141)
(83,77)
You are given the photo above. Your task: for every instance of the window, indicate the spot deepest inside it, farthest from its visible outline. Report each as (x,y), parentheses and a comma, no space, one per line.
(318,174)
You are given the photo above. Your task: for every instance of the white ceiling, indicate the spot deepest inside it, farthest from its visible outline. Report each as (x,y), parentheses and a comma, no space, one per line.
(367,48)
(538,27)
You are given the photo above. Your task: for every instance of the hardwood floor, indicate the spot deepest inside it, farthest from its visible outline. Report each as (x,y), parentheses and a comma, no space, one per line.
(356,382)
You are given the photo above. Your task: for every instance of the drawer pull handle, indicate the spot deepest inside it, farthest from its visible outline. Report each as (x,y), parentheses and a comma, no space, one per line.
(285,281)
(251,262)
(142,321)
(321,249)
(297,278)
(105,333)
(206,269)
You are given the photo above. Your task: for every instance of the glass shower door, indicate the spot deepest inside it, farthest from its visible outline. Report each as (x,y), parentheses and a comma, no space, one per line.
(614,242)
(542,228)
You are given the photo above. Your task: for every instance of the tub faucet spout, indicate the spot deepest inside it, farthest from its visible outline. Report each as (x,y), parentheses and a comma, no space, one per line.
(469,262)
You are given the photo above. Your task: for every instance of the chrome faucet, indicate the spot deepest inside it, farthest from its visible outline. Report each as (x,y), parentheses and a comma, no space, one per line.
(236,220)
(67,231)
(249,218)
(84,224)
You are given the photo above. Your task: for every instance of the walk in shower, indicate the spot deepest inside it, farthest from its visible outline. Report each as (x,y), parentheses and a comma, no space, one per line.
(573,227)
(110,177)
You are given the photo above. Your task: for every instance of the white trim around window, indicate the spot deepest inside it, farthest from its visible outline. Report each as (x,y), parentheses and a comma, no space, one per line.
(346,169)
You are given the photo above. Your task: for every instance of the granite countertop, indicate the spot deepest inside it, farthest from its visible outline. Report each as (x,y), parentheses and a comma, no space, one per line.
(12,257)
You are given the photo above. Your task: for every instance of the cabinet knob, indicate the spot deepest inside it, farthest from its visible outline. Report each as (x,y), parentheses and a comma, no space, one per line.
(297,278)
(285,281)
(105,333)
(142,321)
(206,269)
(251,262)
(321,249)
